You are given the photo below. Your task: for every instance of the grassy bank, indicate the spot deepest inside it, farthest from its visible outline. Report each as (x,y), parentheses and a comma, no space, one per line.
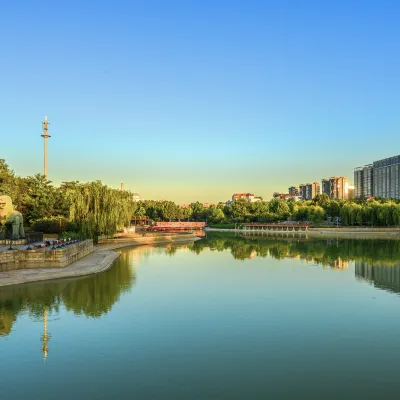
(222,226)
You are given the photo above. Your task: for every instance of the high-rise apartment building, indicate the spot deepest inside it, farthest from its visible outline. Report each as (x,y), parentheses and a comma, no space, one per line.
(309,190)
(313,190)
(363,178)
(335,187)
(302,190)
(294,190)
(325,186)
(338,188)
(386,178)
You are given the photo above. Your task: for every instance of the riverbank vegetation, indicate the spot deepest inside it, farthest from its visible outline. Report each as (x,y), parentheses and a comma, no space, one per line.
(376,212)
(94,209)
(90,209)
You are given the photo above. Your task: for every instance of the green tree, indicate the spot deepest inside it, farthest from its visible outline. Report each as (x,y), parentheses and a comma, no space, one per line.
(240,210)
(216,215)
(42,199)
(279,207)
(322,200)
(199,212)
(13,186)
(316,214)
(187,212)
(98,209)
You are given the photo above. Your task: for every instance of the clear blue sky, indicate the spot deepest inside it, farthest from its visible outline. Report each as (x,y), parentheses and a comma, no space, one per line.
(188,100)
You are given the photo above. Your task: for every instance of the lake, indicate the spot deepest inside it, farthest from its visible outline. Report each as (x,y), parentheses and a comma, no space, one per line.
(226,317)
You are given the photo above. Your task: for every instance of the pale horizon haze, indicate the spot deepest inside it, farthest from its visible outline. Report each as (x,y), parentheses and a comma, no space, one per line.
(197,100)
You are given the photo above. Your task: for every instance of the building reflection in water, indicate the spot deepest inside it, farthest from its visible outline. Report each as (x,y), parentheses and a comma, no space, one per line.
(376,260)
(381,275)
(94,296)
(339,263)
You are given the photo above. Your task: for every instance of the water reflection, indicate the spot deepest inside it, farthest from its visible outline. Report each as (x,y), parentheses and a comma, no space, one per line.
(377,261)
(380,275)
(333,253)
(92,296)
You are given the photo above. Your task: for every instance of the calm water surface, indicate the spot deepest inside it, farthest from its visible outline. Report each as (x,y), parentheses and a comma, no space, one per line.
(225,317)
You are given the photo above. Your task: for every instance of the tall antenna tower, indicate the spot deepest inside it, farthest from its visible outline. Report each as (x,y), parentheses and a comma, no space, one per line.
(45,136)
(46,336)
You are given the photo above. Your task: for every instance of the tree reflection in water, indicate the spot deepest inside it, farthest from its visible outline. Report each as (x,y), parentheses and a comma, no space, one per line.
(377,261)
(92,296)
(320,251)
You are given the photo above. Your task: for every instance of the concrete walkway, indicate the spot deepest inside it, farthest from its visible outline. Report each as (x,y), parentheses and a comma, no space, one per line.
(99,261)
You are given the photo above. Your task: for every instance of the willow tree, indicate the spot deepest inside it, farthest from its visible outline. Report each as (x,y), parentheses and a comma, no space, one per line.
(98,209)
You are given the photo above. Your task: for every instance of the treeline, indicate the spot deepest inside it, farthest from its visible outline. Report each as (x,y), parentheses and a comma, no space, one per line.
(377,212)
(33,196)
(93,209)
(90,209)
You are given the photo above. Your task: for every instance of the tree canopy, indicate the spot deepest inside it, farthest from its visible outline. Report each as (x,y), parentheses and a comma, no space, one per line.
(97,209)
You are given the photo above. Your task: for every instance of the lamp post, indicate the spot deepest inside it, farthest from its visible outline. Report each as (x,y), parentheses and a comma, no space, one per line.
(59,219)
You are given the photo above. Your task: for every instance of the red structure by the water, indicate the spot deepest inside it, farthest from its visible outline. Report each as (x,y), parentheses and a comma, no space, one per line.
(176,226)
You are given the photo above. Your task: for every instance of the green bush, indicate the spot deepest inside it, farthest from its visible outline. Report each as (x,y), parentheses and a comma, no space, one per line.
(71,235)
(46,226)
(54,225)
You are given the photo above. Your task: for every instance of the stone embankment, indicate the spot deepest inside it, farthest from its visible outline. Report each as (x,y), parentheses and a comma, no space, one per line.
(84,259)
(344,233)
(44,258)
(152,238)
(356,233)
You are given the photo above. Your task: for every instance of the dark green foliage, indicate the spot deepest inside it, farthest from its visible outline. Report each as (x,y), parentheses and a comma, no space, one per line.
(33,196)
(222,226)
(98,209)
(54,225)
(350,212)
(71,235)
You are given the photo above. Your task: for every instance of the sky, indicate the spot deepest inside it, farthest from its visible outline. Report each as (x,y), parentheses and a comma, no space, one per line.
(196,100)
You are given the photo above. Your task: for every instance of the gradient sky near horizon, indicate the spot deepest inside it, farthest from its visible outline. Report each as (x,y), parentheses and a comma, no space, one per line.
(196,100)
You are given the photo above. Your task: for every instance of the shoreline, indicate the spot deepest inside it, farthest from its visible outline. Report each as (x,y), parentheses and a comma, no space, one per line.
(102,258)
(343,233)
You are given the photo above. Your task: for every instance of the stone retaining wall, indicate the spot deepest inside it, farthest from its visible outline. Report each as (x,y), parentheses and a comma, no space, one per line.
(148,238)
(45,258)
(357,229)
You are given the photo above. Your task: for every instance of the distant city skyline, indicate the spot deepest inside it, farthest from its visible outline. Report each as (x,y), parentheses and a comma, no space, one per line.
(197,101)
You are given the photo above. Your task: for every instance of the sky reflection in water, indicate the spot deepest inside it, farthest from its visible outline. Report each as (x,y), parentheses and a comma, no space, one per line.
(225,317)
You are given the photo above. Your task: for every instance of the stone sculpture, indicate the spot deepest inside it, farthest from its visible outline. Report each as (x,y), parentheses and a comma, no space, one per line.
(11,221)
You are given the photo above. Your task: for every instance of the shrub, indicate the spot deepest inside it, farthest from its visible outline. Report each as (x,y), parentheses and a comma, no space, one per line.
(54,225)
(71,235)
